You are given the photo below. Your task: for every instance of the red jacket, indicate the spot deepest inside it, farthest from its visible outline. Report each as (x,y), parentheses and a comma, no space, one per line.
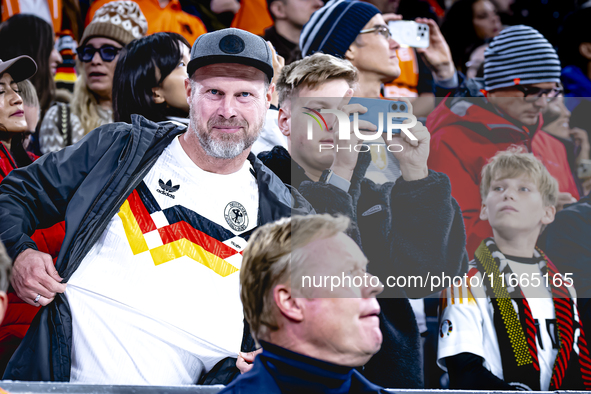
(469,133)
(19,314)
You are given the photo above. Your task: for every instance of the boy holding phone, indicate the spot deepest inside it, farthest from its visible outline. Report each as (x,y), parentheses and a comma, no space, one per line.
(391,222)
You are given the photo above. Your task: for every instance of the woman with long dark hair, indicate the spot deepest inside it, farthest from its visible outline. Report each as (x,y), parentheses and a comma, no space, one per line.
(467,25)
(150,78)
(26,34)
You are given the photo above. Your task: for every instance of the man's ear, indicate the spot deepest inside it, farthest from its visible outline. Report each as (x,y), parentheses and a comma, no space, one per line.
(585,50)
(483,212)
(288,305)
(277,9)
(284,122)
(188,90)
(157,95)
(549,214)
(351,53)
(269,95)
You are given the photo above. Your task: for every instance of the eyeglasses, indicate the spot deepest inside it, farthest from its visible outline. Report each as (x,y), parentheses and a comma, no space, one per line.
(532,94)
(381,29)
(107,52)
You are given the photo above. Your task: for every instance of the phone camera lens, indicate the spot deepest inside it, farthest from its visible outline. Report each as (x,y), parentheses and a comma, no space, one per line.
(402,107)
(394,107)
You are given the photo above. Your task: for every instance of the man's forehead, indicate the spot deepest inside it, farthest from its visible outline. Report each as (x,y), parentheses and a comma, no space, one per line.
(336,250)
(376,20)
(230,70)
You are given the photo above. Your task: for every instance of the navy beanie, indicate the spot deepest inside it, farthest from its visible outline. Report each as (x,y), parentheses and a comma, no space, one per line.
(333,28)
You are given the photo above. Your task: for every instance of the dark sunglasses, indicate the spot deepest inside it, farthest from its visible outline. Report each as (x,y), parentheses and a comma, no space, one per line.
(107,52)
(531,94)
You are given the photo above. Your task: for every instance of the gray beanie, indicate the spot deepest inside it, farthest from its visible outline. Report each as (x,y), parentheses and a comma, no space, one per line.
(520,55)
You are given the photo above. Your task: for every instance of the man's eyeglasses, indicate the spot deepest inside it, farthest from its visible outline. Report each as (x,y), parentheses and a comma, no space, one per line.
(381,29)
(107,52)
(531,94)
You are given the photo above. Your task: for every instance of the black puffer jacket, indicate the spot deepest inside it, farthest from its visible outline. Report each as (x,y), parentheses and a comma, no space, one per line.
(408,229)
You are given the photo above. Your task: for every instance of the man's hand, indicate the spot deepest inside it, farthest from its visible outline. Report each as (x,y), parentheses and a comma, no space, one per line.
(414,155)
(34,274)
(345,157)
(246,360)
(564,199)
(438,55)
(391,17)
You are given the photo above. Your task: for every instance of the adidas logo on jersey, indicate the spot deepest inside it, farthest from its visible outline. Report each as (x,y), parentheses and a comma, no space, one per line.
(167,188)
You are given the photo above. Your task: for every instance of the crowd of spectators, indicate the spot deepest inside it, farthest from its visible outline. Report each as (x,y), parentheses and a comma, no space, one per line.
(167,185)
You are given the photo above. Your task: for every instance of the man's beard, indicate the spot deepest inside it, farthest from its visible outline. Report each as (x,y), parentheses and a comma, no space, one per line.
(229,145)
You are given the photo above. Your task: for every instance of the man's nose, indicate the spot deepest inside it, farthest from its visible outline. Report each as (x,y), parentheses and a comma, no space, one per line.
(227,107)
(332,122)
(393,43)
(373,288)
(542,101)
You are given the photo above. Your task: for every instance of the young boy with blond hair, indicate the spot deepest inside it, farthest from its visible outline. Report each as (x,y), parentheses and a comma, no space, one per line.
(512,323)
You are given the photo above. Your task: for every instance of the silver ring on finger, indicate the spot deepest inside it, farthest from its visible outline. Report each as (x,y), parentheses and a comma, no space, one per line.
(37,298)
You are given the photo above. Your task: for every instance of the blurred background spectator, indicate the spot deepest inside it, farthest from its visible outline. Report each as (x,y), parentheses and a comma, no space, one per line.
(574,49)
(17,35)
(469,24)
(153,87)
(66,124)
(162,15)
(575,140)
(289,18)
(60,14)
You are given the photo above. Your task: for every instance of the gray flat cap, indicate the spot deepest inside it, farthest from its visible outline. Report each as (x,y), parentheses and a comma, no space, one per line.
(231,46)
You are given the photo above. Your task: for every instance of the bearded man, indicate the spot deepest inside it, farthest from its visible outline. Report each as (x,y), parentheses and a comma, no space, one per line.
(145,289)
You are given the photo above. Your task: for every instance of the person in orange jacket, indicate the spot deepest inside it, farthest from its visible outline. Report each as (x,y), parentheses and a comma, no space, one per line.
(162,16)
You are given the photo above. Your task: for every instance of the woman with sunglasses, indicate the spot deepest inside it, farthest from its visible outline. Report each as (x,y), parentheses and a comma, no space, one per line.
(114,25)
(150,79)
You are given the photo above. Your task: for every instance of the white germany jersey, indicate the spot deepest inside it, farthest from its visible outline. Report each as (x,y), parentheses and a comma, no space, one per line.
(156,300)
(467,323)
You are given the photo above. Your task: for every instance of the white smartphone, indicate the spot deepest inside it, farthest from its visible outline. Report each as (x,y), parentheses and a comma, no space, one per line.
(409,33)
(584,170)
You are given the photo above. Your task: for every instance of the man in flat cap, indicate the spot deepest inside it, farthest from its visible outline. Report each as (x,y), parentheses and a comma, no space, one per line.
(157,216)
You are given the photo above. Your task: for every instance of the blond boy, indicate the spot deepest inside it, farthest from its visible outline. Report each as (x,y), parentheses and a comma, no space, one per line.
(511,322)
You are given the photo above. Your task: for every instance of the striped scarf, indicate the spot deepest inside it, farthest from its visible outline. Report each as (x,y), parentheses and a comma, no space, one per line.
(516,334)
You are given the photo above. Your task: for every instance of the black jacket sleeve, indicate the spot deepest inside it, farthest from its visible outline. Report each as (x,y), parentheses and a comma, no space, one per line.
(467,372)
(37,196)
(421,230)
